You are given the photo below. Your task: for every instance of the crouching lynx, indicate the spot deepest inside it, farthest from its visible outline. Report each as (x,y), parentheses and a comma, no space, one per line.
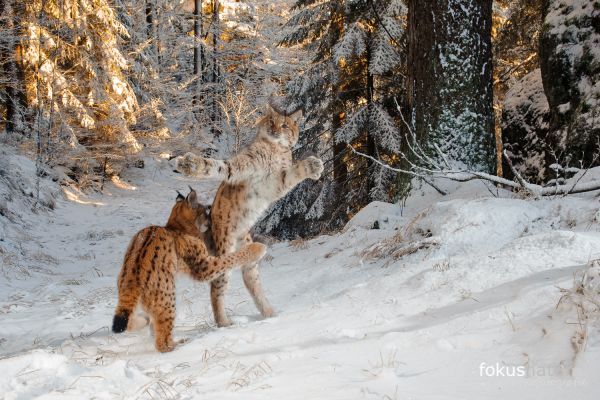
(156,254)
(261,174)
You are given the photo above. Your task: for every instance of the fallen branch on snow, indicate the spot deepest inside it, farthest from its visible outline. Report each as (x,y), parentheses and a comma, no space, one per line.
(465,176)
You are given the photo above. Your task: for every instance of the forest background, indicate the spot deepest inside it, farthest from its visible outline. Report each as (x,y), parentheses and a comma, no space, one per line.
(89,86)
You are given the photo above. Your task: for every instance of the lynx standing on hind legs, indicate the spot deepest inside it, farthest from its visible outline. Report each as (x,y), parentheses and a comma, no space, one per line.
(261,174)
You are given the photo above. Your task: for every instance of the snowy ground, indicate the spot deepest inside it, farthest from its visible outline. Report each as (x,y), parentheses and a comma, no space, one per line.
(480,300)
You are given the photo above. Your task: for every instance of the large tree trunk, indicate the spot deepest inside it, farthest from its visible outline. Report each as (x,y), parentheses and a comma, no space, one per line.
(10,58)
(149,20)
(340,169)
(152,31)
(371,144)
(450,79)
(198,51)
(215,78)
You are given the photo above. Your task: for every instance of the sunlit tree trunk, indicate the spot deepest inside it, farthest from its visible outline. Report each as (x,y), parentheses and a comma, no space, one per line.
(371,144)
(10,58)
(214,115)
(198,50)
(151,32)
(340,169)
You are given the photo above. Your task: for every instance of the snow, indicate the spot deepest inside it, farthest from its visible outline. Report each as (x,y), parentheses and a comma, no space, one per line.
(429,325)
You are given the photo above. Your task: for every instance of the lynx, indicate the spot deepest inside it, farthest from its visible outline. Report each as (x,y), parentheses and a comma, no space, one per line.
(261,174)
(156,254)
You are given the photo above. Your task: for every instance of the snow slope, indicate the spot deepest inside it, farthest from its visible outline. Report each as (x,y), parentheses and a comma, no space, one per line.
(480,298)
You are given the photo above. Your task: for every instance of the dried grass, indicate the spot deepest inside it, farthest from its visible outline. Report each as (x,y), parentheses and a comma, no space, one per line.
(389,361)
(244,376)
(584,297)
(395,248)
(299,244)
(402,243)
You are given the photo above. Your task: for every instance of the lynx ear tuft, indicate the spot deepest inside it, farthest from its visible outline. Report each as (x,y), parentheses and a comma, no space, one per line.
(192,199)
(296,116)
(180,197)
(269,110)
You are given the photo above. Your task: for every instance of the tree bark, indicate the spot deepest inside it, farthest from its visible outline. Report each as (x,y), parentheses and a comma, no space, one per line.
(153,19)
(10,57)
(198,50)
(371,144)
(450,79)
(149,19)
(214,116)
(340,169)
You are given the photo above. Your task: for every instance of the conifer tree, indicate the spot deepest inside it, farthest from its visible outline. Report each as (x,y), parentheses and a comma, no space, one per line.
(74,74)
(570,68)
(348,93)
(12,80)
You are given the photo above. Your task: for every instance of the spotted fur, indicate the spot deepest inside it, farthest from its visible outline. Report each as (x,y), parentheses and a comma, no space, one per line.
(157,253)
(261,174)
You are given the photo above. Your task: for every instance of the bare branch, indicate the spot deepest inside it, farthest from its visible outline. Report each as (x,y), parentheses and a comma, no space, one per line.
(464,176)
(526,186)
(402,171)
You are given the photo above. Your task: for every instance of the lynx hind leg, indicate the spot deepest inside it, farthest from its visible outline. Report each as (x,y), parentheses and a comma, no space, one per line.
(163,322)
(160,304)
(218,288)
(252,283)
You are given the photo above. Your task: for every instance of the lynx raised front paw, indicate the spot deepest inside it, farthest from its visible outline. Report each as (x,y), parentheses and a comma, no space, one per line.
(313,167)
(192,165)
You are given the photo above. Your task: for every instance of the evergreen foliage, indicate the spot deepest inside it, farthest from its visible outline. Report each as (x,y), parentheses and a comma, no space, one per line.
(570,65)
(348,94)
(86,84)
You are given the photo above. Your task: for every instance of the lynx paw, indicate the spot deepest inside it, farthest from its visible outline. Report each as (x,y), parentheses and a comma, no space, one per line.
(268,312)
(224,323)
(192,165)
(165,346)
(313,167)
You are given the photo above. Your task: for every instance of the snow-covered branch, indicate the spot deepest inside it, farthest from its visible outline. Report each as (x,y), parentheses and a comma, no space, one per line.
(430,174)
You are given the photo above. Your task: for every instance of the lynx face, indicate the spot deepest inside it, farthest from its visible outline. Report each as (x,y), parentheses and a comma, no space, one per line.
(189,215)
(282,129)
